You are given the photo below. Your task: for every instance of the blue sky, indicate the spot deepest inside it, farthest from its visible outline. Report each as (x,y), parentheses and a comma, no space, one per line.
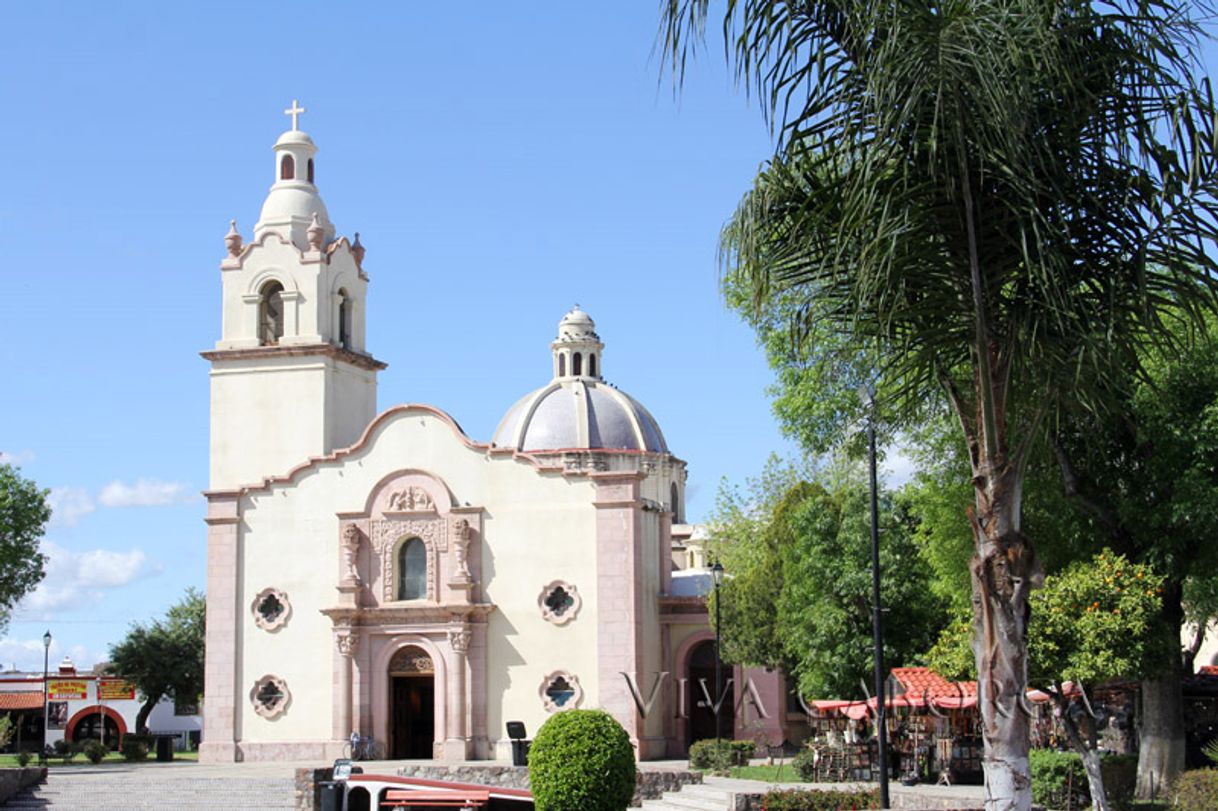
(500,161)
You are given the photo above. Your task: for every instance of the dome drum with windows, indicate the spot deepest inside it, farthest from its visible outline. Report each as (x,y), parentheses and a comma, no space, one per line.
(577,410)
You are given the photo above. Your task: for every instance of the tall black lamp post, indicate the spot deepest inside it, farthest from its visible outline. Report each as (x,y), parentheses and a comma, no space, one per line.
(877,622)
(46,707)
(717,576)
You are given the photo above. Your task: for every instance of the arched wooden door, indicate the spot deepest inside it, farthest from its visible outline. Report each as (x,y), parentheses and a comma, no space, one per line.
(412,705)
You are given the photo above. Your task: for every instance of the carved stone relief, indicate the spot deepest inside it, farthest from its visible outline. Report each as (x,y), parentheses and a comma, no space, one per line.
(411,499)
(411,660)
(459,638)
(386,534)
(348,643)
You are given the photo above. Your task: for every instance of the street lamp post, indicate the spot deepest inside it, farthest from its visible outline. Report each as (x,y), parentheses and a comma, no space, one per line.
(717,575)
(877,622)
(46,706)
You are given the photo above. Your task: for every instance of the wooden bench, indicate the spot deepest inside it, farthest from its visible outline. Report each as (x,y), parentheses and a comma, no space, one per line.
(464,798)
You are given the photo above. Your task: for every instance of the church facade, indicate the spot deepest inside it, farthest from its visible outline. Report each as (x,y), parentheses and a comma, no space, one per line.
(386,574)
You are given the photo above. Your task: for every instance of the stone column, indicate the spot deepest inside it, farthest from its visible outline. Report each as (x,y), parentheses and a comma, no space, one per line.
(456,743)
(223,657)
(348,644)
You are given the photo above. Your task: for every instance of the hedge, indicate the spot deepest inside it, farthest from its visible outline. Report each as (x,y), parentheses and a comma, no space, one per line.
(1060,781)
(581,759)
(705,755)
(135,746)
(1197,790)
(834,800)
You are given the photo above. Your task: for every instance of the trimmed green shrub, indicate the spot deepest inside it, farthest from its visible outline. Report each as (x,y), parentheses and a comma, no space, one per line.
(95,750)
(581,759)
(1058,779)
(705,755)
(1197,790)
(64,749)
(23,758)
(805,765)
(832,800)
(136,747)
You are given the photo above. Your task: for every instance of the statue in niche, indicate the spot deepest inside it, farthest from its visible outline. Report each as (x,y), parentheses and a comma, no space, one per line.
(411,499)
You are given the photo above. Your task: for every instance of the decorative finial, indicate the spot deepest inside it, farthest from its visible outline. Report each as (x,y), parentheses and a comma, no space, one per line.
(294,111)
(232,240)
(357,250)
(315,233)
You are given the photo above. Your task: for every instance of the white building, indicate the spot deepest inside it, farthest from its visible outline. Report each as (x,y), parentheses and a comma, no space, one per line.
(80,703)
(388,574)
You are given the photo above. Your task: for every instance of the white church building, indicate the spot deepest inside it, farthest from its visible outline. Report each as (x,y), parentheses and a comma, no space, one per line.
(389,575)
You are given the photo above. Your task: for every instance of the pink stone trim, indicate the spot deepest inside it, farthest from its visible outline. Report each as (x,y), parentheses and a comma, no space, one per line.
(538,460)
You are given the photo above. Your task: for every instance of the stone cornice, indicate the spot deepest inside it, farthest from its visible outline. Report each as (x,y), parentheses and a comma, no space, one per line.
(428,613)
(304,351)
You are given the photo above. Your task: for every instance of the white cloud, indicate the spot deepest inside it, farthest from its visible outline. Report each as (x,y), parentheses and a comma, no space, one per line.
(69,505)
(75,579)
(27,654)
(899,467)
(144,493)
(18,458)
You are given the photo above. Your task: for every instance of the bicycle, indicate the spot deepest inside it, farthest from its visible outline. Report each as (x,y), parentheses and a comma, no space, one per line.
(363,747)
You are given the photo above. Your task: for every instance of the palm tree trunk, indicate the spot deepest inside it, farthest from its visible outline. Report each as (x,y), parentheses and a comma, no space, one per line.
(1161,738)
(1004,571)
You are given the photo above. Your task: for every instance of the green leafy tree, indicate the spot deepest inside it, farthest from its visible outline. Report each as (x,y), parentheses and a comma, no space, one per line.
(164,657)
(799,594)
(1143,476)
(1094,622)
(997,200)
(24,513)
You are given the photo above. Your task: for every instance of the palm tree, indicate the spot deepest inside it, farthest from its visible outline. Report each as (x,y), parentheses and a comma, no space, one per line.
(1005,199)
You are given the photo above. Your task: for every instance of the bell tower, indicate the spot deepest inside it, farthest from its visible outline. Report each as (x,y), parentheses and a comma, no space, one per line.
(290,375)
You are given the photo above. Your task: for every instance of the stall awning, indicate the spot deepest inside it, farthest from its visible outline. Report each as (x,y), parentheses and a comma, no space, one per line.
(20,701)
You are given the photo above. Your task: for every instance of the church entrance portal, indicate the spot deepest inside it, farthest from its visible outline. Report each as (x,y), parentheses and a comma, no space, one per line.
(412,705)
(703,695)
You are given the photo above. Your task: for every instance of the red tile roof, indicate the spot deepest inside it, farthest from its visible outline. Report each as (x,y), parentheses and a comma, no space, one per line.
(922,682)
(1209,670)
(21,701)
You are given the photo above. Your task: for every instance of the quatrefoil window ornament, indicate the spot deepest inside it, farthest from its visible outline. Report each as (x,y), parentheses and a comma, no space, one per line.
(561,691)
(559,602)
(271,609)
(270,696)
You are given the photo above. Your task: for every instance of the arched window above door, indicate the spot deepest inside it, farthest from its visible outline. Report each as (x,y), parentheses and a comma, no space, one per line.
(411,570)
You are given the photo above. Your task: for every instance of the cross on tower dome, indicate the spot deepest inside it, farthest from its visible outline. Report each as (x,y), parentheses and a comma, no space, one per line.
(294,111)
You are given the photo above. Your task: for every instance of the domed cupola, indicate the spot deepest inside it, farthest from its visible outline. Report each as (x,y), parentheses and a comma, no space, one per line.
(578,410)
(293,201)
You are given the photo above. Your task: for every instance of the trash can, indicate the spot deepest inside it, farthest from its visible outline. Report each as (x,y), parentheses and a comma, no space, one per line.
(164,748)
(330,795)
(520,753)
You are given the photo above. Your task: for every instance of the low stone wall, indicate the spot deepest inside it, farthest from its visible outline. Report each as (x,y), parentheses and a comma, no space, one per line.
(650,784)
(14,780)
